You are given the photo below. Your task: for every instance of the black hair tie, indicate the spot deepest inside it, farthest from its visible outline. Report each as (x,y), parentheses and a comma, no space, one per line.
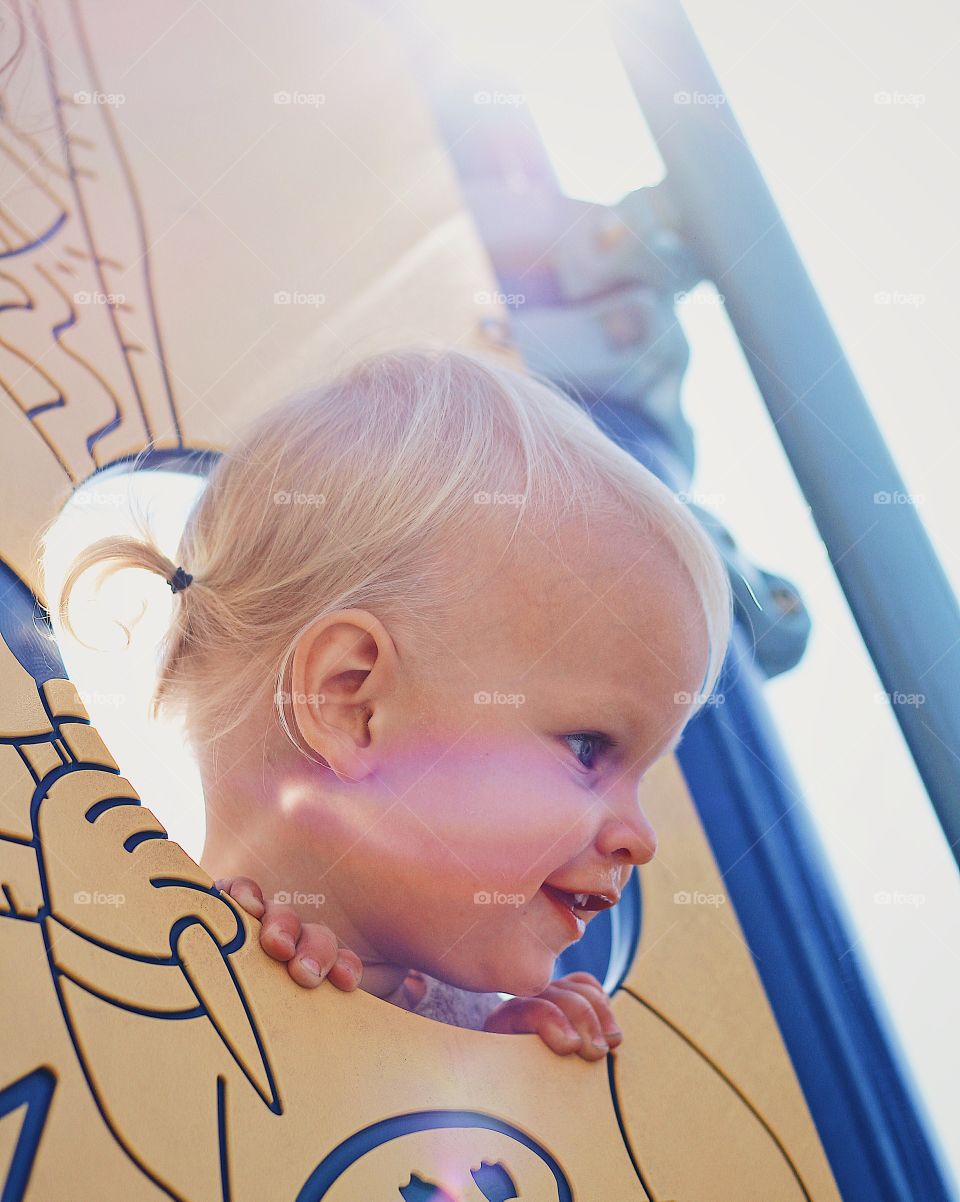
(179,580)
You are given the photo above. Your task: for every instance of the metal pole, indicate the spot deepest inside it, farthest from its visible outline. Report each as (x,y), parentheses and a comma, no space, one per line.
(893,581)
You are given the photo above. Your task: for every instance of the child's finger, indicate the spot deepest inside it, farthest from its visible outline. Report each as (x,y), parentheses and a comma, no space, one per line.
(245,891)
(319,957)
(536,1016)
(315,955)
(347,971)
(279,931)
(588,985)
(582,1015)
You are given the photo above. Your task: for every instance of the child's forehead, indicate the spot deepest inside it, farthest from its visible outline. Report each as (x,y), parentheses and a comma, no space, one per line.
(614,590)
(591,552)
(605,611)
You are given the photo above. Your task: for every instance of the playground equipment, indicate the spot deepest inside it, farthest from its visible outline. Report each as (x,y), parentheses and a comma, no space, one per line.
(151,1050)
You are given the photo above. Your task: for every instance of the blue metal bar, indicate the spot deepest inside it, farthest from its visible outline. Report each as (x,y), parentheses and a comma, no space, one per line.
(894,583)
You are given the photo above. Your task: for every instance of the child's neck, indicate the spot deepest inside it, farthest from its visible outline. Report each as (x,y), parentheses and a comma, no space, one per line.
(411,991)
(242,799)
(381,978)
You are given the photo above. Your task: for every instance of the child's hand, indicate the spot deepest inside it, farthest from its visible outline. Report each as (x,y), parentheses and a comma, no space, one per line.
(310,949)
(569,1015)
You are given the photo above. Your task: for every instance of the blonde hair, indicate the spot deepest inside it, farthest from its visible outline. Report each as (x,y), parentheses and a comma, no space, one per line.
(351,493)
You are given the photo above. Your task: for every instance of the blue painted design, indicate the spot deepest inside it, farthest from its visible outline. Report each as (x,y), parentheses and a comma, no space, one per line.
(35,243)
(166,459)
(108,803)
(494,1182)
(222,1139)
(624,1135)
(35,649)
(419,1190)
(337,1162)
(58,402)
(139,837)
(145,1011)
(39,657)
(35,1091)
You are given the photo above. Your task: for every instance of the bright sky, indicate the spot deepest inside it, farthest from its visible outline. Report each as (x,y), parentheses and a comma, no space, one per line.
(869,192)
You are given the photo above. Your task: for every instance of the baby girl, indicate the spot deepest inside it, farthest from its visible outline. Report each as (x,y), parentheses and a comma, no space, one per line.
(432,629)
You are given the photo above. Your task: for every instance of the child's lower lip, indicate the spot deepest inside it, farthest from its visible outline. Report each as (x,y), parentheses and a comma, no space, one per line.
(573,921)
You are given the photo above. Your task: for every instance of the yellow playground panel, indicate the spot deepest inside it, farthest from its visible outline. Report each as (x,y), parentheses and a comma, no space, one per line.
(167,215)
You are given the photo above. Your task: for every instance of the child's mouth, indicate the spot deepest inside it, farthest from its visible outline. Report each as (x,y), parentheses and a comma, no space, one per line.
(564,904)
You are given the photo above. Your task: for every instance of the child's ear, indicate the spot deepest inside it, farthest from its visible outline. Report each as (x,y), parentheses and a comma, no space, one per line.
(346,761)
(339,663)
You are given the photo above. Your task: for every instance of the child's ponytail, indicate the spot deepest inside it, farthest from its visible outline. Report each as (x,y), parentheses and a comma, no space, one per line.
(116,553)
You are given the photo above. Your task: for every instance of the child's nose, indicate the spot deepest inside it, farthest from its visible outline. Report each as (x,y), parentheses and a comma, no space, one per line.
(628,836)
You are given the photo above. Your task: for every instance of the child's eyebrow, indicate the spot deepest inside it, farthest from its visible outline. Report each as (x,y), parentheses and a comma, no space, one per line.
(618,711)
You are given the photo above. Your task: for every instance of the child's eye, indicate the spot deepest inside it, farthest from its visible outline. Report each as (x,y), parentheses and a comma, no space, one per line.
(594,744)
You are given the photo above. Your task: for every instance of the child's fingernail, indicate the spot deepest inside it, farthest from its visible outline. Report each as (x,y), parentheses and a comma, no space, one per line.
(348,967)
(614,1033)
(251,903)
(567,1033)
(220,884)
(285,939)
(310,965)
(600,1044)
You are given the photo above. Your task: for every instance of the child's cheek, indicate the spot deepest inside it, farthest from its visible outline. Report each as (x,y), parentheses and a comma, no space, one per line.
(525,803)
(501,812)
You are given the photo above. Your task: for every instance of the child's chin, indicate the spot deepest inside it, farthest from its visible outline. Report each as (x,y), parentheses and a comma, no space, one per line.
(522,971)
(526,979)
